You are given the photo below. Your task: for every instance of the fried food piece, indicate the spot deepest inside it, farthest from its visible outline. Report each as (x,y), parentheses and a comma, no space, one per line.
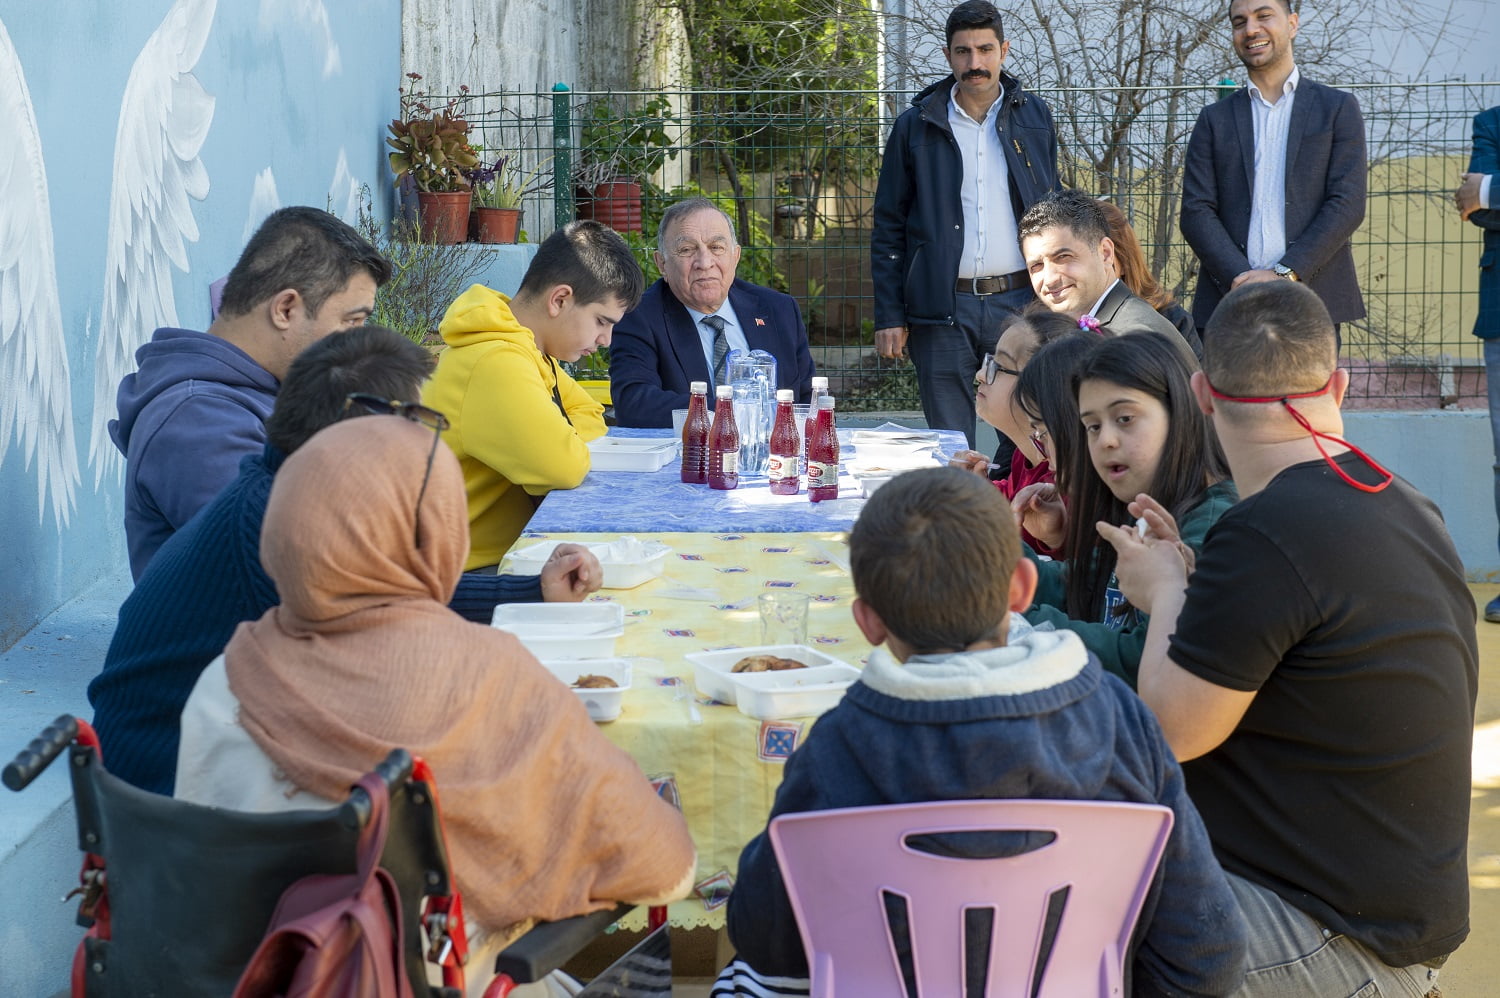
(766,663)
(592,682)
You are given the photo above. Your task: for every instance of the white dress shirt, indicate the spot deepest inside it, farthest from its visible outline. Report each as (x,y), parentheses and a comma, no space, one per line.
(991,247)
(1272,118)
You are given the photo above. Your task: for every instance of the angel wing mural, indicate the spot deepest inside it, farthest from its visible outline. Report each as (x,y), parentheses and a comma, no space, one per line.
(36,404)
(164,117)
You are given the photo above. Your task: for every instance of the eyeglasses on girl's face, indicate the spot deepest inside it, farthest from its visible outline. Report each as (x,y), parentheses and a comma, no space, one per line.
(374,405)
(993,367)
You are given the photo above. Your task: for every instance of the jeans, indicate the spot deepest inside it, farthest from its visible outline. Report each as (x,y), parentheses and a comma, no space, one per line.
(1292,956)
(1492,375)
(946,357)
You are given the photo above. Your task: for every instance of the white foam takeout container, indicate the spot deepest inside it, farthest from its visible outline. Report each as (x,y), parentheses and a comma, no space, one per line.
(713,678)
(602,704)
(631,453)
(563,630)
(627,562)
(768,696)
(894,449)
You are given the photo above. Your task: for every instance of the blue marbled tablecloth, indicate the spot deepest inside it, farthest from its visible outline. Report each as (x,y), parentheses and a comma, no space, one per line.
(658,501)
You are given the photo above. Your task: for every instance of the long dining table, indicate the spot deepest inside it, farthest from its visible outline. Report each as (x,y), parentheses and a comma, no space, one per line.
(726,548)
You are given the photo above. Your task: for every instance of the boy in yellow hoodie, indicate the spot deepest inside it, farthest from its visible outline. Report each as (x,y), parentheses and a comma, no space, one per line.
(519,425)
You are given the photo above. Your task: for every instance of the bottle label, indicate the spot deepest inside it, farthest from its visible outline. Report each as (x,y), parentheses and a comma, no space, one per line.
(821,473)
(729,461)
(779,467)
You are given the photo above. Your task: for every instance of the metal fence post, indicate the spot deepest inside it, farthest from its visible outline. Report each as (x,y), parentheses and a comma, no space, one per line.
(1227,87)
(562,154)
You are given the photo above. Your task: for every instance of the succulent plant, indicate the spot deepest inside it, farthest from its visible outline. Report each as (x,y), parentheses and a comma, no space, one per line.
(431,146)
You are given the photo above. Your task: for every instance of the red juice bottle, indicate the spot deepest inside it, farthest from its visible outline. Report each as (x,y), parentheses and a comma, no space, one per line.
(783,470)
(695,436)
(823,454)
(819,389)
(724,442)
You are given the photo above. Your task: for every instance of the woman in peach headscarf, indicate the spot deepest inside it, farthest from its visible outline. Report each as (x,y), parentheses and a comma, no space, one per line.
(365,536)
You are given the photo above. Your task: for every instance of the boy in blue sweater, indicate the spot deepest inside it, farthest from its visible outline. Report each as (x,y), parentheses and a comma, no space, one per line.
(949,709)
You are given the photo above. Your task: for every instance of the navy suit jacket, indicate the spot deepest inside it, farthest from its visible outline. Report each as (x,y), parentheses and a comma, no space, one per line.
(1325,196)
(656,353)
(1486,159)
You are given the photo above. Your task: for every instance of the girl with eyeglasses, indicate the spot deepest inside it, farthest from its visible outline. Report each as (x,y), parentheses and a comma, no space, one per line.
(1123,421)
(995,403)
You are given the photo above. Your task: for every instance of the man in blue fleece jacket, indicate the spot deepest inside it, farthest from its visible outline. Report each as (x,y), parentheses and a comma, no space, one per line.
(199,401)
(207,578)
(954,707)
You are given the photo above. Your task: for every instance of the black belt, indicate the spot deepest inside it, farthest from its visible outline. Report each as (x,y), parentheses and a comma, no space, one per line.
(994,285)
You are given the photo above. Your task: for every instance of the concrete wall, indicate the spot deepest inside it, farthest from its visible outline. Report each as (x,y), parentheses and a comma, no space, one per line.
(529,45)
(142,142)
(1447,454)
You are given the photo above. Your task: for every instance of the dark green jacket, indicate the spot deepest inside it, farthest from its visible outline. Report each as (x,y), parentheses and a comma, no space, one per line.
(1119,649)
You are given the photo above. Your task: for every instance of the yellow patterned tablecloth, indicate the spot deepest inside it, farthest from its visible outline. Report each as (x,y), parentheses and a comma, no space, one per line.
(723,766)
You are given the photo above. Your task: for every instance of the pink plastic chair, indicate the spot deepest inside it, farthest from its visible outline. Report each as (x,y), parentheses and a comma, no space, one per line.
(840,867)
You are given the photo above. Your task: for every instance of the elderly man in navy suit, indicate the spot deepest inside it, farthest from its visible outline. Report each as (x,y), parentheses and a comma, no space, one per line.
(1478,202)
(689,321)
(1274,178)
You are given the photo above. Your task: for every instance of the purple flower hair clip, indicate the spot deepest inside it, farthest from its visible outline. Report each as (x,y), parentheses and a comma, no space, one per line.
(1090,323)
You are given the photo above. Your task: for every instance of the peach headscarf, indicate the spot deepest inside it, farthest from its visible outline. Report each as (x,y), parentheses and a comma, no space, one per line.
(545,817)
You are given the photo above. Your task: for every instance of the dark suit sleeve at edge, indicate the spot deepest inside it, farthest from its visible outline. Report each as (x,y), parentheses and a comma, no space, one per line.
(1222,261)
(1343,207)
(634,379)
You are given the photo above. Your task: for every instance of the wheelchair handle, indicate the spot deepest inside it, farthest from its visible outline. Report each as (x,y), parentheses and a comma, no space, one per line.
(37,756)
(394,770)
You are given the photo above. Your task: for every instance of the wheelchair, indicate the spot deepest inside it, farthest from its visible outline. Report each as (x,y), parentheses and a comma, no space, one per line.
(176,896)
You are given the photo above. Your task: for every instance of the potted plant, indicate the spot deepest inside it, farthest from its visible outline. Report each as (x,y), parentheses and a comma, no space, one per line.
(499,190)
(431,152)
(620,152)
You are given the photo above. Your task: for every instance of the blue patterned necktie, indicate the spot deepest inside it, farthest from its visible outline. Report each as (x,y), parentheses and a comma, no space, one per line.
(721,346)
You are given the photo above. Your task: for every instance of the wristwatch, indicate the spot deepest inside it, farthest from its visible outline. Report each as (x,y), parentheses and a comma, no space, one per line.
(1282,270)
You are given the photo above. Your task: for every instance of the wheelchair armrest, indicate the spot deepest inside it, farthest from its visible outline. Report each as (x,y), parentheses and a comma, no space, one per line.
(549,945)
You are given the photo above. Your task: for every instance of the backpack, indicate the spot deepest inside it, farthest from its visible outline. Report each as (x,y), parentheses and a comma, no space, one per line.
(336,936)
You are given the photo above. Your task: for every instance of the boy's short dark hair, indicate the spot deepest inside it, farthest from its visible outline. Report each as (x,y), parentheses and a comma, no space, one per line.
(1269,338)
(305,249)
(972,15)
(590,258)
(370,359)
(1071,209)
(933,553)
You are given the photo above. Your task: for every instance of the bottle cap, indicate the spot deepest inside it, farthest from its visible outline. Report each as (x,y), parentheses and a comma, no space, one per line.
(825,401)
(820,382)
(698,387)
(785,395)
(724,392)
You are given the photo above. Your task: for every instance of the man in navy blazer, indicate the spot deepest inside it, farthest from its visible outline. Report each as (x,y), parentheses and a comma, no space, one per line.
(688,321)
(1292,217)
(1478,200)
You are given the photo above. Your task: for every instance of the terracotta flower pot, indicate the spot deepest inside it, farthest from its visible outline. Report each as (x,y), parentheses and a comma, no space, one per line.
(444,215)
(494,225)
(616,203)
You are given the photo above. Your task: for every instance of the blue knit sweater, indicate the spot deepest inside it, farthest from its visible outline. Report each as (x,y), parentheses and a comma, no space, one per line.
(1037,719)
(201,584)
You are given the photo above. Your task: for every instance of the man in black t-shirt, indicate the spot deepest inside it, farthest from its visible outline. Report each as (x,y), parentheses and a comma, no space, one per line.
(1319,668)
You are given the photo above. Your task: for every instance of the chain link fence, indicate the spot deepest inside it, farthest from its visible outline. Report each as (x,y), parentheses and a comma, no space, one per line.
(797,171)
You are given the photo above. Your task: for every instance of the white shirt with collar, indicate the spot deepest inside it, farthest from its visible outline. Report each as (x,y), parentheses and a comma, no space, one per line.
(734,334)
(1100,303)
(1272,118)
(991,246)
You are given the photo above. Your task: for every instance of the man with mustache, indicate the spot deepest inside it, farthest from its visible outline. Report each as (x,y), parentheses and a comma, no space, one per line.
(1274,181)
(963,163)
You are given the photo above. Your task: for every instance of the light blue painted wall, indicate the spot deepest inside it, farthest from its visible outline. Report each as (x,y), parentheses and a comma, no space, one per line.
(295,83)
